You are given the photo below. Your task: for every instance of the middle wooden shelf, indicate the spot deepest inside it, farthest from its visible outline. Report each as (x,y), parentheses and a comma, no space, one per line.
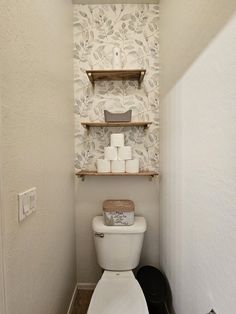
(143,124)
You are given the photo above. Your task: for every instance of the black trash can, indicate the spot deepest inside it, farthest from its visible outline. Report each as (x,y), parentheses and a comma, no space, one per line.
(154,286)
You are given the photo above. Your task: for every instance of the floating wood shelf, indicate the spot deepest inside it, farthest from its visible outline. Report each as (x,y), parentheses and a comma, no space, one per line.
(116,75)
(88,125)
(84,173)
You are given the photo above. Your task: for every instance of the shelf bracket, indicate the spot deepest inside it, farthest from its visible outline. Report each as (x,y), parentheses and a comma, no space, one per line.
(82,178)
(91,78)
(87,128)
(153,177)
(141,79)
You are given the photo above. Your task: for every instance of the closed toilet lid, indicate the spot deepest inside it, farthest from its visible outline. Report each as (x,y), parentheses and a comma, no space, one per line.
(118,293)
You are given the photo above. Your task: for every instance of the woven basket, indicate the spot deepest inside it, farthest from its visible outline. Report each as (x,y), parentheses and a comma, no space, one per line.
(118,205)
(117,117)
(118,212)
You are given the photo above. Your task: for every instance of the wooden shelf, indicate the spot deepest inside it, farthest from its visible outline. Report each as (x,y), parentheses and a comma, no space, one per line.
(88,125)
(116,75)
(84,173)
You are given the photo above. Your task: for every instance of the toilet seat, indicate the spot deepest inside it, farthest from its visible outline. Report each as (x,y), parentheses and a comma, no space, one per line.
(118,293)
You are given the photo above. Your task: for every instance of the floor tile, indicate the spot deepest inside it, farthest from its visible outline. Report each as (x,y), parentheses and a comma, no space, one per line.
(82,301)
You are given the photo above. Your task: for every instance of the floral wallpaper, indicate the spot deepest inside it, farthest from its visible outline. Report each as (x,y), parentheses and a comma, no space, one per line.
(97,30)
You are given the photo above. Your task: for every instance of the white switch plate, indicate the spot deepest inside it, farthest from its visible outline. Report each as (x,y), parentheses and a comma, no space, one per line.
(32,199)
(26,203)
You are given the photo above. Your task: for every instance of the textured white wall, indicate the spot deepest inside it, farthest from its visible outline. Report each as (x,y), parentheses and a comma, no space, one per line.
(198,169)
(37,141)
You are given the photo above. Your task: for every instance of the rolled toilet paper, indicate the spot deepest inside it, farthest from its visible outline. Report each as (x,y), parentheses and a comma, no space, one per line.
(110,153)
(117,139)
(117,166)
(124,152)
(103,165)
(132,166)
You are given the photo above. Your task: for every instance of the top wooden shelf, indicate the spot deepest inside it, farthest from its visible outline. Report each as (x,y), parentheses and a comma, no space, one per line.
(116,75)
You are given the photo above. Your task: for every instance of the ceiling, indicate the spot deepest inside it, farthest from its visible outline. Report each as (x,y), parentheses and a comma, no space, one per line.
(113,1)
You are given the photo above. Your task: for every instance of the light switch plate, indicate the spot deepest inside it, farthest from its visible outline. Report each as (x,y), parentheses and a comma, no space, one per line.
(26,203)
(32,199)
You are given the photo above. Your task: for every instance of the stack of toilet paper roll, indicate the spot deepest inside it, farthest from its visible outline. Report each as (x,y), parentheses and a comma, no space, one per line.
(118,157)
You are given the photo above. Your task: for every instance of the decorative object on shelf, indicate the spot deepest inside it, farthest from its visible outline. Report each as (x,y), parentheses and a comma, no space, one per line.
(116,58)
(118,166)
(110,153)
(124,153)
(103,165)
(117,117)
(117,139)
(118,157)
(132,166)
(118,212)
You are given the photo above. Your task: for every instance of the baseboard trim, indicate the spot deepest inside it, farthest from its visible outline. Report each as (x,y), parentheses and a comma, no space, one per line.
(86,285)
(72,301)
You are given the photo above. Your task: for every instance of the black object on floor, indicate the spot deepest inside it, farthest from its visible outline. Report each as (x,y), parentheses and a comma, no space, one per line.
(154,286)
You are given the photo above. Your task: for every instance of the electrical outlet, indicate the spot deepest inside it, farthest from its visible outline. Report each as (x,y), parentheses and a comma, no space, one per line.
(26,203)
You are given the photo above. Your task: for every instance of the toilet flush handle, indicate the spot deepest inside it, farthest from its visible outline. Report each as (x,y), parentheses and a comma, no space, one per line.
(99,234)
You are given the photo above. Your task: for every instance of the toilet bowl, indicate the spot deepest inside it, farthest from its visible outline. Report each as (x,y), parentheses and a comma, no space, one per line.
(118,251)
(118,293)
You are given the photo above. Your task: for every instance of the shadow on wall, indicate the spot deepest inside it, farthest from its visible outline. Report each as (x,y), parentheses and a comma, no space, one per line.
(189,37)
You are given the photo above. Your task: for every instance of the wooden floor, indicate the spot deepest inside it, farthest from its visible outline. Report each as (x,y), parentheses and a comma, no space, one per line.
(82,302)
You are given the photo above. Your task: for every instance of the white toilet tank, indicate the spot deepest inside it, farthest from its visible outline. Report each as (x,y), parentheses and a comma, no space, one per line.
(118,247)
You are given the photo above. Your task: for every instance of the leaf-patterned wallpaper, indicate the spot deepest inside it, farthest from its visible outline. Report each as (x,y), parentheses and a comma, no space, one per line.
(97,30)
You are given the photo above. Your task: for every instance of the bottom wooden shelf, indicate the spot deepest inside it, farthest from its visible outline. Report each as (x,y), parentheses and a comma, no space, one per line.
(83,174)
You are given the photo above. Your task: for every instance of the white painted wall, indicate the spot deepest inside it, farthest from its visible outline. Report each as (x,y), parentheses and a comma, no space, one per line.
(37,146)
(187,27)
(198,153)
(2,279)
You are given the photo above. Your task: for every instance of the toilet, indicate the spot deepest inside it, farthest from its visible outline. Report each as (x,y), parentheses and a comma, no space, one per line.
(118,251)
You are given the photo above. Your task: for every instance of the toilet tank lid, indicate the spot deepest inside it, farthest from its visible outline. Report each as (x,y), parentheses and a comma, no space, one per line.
(139,226)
